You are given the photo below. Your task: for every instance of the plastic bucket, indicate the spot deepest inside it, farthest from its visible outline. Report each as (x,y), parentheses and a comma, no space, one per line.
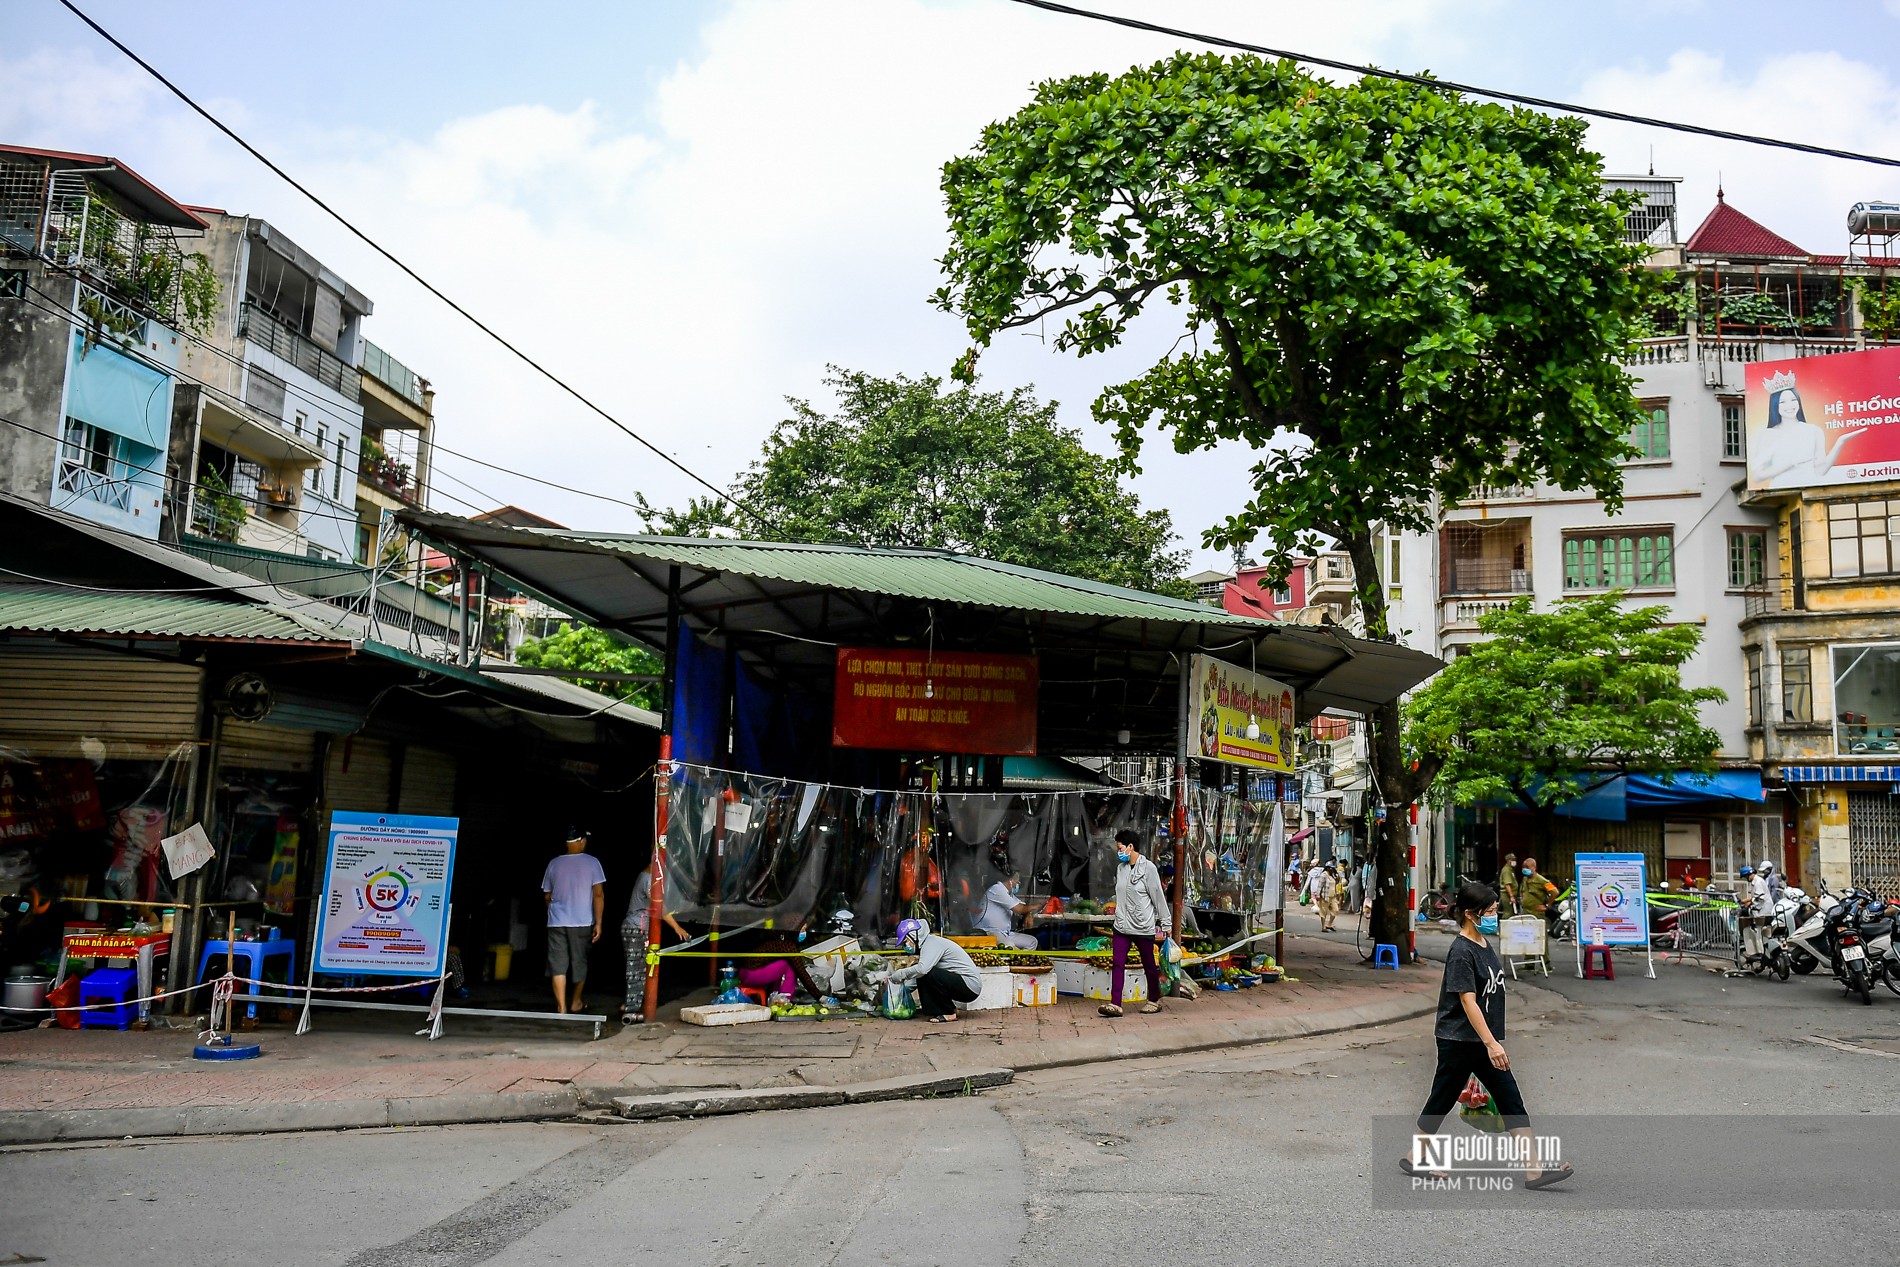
(26,993)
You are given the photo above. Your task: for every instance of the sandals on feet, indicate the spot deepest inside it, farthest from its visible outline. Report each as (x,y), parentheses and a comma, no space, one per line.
(1550,1177)
(1109,1009)
(1150,1008)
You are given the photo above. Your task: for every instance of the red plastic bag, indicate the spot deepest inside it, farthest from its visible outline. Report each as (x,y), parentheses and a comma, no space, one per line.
(64,1000)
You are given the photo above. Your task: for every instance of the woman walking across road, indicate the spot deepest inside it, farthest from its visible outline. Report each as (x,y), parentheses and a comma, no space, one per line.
(1142,919)
(1324,886)
(1470,1036)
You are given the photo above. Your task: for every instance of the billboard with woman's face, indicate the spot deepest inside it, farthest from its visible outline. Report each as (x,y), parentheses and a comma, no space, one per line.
(1821,420)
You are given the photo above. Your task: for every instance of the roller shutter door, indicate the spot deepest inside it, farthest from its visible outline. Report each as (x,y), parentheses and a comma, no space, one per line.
(1873,836)
(53,697)
(356,775)
(246,745)
(428,782)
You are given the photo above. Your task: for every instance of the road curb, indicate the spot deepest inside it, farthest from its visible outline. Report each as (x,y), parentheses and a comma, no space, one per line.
(714,1103)
(56,1126)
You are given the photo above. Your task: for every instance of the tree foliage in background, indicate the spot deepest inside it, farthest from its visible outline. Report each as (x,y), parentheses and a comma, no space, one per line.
(1556,704)
(902,462)
(1391,293)
(589,649)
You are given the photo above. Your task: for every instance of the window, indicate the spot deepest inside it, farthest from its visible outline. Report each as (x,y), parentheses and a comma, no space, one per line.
(90,448)
(1867,699)
(298,425)
(1639,559)
(336,477)
(1283,597)
(1754,687)
(316,472)
(1651,435)
(1732,431)
(1747,558)
(1860,537)
(1393,581)
(1797,684)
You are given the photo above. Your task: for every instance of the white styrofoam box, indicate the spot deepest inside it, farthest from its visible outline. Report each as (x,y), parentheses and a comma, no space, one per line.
(725,1014)
(1037,989)
(997,991)
(826,960)
(1074,976)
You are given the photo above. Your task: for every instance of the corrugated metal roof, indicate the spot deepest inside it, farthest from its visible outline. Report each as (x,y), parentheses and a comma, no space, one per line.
(928,575)
(60,609)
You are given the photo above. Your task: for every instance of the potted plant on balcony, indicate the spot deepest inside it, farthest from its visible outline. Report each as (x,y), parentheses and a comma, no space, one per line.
(220,512)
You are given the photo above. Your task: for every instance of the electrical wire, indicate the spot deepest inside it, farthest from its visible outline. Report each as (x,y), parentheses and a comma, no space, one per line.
(411,273)
(1448,85)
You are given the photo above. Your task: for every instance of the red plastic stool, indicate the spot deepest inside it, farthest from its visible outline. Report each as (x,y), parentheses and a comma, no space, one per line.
(757,996)
(1607,971)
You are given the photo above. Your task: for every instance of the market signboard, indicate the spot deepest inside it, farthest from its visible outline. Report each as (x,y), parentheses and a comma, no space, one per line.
(1818,420)
(1612,900)
(913,699)
(385,908)
(1224,700)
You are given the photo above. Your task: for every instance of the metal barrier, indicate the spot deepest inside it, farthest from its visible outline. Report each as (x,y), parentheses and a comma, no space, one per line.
(1703,930)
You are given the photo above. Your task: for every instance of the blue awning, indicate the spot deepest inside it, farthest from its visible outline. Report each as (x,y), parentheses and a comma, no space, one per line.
(1841,773)
(1650,791)
(115,393)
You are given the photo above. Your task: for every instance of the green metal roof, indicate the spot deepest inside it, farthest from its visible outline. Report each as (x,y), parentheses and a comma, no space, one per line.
(62,609)
(917,573)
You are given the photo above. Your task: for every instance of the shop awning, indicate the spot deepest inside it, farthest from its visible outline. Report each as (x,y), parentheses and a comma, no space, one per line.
(1649,791)
(1047,774)
(57,609)
(1300,835)
(1110,655)
(1841,773)
(115,393)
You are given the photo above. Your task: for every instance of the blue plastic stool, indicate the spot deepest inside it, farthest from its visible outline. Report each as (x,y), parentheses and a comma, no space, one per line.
(1385,955)
(109,985)
(253,954)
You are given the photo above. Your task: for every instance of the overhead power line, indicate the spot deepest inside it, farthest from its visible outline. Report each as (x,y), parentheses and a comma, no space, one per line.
(411,273)
(1447,85)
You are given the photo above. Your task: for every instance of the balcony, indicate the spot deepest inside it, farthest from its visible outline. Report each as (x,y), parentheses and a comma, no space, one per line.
(312,358)
(393,374)
(1469,611)
(1485,576)
(80,480)
(1330,580)
(1765,598)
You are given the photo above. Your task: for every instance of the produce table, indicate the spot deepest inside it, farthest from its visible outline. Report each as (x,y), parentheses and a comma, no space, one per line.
(142,948)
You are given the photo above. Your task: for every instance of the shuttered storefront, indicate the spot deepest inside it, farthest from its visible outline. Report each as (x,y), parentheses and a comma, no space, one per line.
(1873,837)
(54,698)
(356,776)
(245,745)
(428,782)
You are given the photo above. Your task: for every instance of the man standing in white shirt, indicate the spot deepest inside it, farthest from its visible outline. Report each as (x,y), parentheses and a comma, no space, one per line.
(576,891)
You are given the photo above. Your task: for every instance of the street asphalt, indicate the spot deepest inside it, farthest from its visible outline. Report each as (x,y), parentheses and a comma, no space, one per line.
(1248,1155)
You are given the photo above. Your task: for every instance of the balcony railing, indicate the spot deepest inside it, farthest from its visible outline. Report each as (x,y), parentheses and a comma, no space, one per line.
(1467,611)
(397,484)
(1485,576)
(1671,351)
(312,358)
(1764,598)
(393,374)
(82,481)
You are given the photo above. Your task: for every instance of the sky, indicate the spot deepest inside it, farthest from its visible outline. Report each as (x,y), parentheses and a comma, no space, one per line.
(689,209)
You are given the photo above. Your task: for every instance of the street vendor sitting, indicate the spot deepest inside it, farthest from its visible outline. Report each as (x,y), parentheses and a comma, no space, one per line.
(1000,906)
(944,972)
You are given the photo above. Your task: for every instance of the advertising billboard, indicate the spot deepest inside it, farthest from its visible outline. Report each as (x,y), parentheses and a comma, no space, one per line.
(913,699)
(1819,420)
(1225,700)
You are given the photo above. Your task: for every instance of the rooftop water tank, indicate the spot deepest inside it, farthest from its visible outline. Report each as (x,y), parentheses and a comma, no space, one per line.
(1877,218)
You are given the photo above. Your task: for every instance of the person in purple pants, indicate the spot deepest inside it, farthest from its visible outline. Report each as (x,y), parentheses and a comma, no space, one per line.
(1141,917)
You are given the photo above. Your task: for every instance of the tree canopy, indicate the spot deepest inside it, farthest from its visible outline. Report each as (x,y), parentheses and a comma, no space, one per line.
(1390,292)
(1555,704)
(901,461)
(595,651)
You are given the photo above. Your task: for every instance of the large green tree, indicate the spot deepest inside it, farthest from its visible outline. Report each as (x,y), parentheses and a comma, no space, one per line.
(1556,704)
(1392,293)
(903,462)
(593,650)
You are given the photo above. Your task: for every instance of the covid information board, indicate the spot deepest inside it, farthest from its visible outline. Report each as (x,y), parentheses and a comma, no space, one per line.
(385,907)
(1612,900)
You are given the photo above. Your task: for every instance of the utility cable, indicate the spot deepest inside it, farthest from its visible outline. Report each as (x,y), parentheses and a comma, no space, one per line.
(411,273)
(1448,85)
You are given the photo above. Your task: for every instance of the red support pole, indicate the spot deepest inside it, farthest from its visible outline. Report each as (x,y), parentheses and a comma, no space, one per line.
(656,904)
(1411,900)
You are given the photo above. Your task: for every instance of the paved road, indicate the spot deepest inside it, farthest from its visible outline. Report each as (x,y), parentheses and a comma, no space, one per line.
(1246,1156)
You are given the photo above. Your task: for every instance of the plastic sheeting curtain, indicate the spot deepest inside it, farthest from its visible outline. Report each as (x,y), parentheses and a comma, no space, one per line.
(751,849)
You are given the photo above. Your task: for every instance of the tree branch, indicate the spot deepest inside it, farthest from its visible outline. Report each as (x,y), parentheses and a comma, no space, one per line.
(1123,296)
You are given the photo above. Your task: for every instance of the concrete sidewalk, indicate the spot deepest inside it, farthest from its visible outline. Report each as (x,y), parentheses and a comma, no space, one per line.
(367,1069)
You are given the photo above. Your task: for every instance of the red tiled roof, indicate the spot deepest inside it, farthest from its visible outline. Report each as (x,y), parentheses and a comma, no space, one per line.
(1727,233)
(128,184)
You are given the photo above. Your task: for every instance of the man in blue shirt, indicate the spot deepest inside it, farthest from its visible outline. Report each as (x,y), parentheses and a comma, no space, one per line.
(576,891)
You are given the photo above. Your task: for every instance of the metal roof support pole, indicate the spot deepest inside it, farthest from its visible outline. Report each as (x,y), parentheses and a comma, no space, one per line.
(1180,790)
(662,796)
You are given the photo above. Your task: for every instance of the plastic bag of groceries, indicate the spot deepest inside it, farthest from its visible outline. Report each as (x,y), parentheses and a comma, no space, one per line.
(896,1001)
(1477,1108)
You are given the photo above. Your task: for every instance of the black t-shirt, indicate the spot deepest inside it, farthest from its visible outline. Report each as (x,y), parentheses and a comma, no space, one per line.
(1471,968)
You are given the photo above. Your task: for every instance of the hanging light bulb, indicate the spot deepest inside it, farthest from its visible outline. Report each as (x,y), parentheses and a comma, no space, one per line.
(1253,726)
(1122,736)
(930,690)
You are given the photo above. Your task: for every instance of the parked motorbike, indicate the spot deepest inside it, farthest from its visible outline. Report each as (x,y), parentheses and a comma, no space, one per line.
(1807,943)
(1850,961)
(1561,917)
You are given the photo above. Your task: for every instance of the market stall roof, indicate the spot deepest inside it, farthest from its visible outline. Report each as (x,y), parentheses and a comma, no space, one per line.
(1110,655)
(55,609)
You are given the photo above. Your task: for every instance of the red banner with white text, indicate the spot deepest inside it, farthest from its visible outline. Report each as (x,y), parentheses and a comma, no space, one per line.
(915,700)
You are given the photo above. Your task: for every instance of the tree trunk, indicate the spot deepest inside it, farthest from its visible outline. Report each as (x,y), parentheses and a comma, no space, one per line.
(1395,784)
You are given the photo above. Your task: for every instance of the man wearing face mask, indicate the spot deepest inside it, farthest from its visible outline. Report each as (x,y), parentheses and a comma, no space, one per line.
(1141,915)
(1001,905)
(1534,892)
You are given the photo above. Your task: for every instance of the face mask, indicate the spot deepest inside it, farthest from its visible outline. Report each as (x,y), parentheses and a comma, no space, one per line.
(1525,870)
(801,935)
(1120,856)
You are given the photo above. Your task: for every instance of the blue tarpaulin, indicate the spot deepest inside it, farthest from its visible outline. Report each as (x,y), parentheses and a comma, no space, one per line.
(1612,802)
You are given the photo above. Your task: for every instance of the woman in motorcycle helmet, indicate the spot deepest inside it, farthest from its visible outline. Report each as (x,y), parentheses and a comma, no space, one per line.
(944,972)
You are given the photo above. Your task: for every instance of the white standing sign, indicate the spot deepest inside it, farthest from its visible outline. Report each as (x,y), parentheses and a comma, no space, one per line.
(385,908)
(1612,902)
